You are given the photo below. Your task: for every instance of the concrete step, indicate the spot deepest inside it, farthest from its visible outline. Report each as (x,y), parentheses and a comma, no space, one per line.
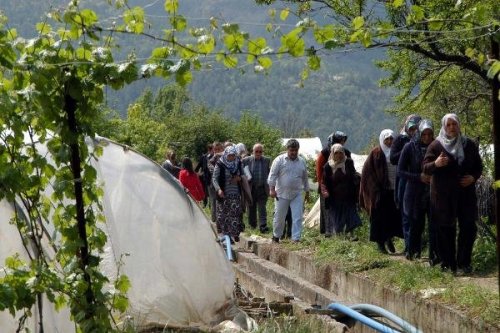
(260,286)
(286,279)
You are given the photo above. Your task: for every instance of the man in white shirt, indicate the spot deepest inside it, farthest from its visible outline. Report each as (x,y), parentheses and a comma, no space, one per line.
(287,179)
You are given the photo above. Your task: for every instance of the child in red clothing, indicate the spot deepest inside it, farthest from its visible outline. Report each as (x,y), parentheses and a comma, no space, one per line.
(190,180)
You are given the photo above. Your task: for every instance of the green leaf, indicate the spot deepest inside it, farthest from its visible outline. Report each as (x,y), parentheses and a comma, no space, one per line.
(183,78)
(265,62)
(358,22)
(255,46)
(496,184)
(314,62)
(89,17)
(324,34)
(123,284)
(398,3)
(171,6)
(230,61)
(418,13)
(206,44)
(178,22)
(494,69)
(284,14)
(43,28)
(134,20)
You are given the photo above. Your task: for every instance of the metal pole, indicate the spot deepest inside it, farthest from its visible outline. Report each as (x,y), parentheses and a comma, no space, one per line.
(495,54)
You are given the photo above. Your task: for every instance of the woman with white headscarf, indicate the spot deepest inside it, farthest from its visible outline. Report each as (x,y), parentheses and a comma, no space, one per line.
(340,192)
(454,162)
(227,181)
(377,194)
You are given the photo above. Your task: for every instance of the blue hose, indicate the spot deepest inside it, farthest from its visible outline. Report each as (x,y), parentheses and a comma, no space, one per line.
(407,327)
(229,253)
(361,318)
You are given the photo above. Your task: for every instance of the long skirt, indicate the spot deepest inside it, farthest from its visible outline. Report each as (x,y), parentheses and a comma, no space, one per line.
(342,217)
(385,219)
(229,215)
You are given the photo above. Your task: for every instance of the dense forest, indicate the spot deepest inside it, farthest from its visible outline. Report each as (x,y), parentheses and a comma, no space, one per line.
(343,95)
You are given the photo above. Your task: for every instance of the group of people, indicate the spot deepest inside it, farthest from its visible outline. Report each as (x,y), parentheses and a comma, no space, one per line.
(417,175)
(406,179)
(232,181)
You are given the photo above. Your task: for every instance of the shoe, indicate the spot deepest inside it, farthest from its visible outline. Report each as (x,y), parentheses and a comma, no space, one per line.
(236,238)
(276,240)
(390,246)
(328,235)
(409,256)
(295,240)
(264,229)
(381,248)
(465,270)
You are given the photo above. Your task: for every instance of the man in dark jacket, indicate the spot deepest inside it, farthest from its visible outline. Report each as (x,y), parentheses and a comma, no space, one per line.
(206,176)
(258,165)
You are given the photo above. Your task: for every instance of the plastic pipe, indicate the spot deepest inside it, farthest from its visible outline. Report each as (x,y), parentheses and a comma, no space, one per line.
(229,252)
(405,326)
(361,318)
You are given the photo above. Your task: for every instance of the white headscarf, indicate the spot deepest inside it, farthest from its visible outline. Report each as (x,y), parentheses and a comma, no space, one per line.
(340,164)
(454,146)
(387,133)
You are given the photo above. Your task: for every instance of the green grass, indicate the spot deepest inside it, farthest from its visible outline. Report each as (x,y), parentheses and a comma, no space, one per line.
(302,324)
(413,277)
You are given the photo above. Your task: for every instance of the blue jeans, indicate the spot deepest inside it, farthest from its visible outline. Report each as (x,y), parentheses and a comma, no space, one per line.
(280,210)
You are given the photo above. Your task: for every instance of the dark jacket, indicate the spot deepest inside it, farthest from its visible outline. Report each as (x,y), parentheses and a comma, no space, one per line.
(397,147)
(340,186)
(447,196)
(374,180)
(410,169)
(250,162)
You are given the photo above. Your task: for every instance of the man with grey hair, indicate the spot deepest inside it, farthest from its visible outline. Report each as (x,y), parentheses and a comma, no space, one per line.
(258,165)
(287,179)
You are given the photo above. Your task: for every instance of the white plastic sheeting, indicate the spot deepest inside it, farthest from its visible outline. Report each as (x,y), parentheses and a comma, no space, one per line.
(179,273)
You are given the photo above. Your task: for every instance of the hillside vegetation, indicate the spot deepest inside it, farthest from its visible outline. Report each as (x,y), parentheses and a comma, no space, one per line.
(343,95)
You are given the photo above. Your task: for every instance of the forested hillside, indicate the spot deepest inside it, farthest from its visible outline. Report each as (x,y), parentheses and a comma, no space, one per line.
(343,95)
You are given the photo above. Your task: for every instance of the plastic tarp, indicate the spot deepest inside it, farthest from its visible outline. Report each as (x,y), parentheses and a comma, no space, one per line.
(179,273)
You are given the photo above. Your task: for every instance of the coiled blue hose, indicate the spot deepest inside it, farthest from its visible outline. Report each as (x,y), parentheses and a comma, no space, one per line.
(353,313)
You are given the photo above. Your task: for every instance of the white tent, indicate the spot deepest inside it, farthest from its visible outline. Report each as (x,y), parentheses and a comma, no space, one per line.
(309,147)
(179,273)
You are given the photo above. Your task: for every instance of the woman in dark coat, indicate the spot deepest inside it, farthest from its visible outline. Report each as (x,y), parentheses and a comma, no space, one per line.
(455,165)
(377,194)
(416,198)
(340,192)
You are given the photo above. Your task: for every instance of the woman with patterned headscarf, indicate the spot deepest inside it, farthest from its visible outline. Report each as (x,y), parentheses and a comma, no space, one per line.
(226,181)
(377,194)
(340,192)
(455,165)
(416,199)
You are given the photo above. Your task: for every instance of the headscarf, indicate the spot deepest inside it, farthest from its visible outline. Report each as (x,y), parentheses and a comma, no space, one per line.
(411,120)
(423,125)
(240,148)
(454,146)
(230,165)
(340,164)
(387,133)
(336,137)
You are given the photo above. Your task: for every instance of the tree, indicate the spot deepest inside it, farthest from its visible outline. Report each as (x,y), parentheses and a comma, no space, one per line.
(51,87)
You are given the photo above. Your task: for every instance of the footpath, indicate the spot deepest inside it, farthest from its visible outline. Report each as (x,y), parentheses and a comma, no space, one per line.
(276,273)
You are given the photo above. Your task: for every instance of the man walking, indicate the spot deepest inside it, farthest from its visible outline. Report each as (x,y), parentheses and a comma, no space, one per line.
(259,167)
(287,179)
